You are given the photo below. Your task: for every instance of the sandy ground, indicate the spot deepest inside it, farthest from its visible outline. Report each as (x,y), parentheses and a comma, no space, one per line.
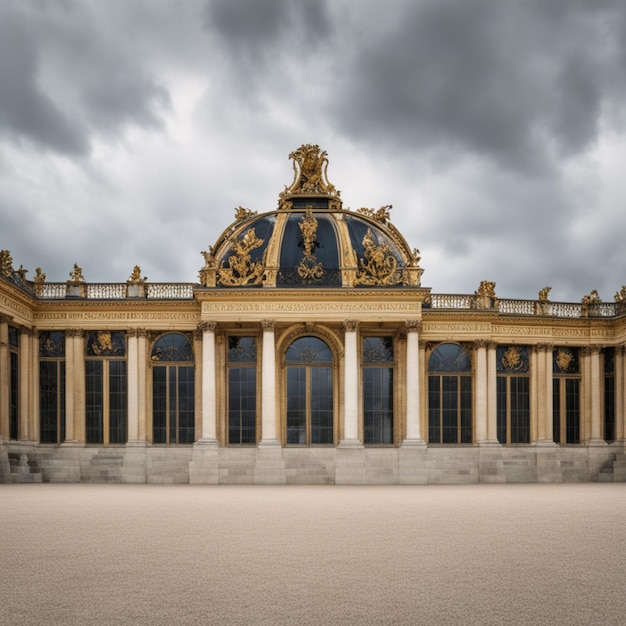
(151,554)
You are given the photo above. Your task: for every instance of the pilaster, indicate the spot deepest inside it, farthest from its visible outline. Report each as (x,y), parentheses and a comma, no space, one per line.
(413,391)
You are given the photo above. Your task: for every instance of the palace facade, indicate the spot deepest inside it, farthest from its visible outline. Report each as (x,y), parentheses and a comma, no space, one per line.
(307,352)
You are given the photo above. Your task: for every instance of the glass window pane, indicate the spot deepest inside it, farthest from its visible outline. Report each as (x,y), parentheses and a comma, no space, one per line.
(296,405)
(378,405)
(449,357)
(172,347)
(242,405)
(94,409)
(322,405)
(117,402)
(159,404)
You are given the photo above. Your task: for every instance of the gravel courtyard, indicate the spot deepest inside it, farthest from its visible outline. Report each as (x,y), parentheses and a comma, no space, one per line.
(154,554)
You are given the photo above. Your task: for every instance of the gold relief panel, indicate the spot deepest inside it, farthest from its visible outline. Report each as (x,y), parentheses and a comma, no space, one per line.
(241,269)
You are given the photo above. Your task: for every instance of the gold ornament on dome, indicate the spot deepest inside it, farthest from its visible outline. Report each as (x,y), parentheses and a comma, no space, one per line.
(243,214)
(309,166)
(380,266)
(241,269)
(381,215)
(309,268)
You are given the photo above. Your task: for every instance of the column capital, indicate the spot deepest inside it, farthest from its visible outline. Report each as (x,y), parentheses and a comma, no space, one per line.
(137,332)
(268,326)
(207,325)
(74,332)
(481,343)
(5,319)
(350,326)
(413,326)
(545,347)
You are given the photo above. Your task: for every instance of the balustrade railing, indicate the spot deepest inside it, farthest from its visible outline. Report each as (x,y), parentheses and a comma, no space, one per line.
(114,291)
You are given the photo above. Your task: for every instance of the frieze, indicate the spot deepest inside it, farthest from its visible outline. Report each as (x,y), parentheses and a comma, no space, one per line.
(16,308)
(458,327)
(308,307)
(529,331)
(111,315)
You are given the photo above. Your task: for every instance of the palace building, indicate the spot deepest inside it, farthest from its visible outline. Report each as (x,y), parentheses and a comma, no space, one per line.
(308,351)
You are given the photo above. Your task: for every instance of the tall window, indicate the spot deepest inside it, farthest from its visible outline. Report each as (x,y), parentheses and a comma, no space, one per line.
(310,405)
(449,395)
(51,387)
(609,394)
(566,395)
(242,373)
(513,393)
(106,388)
(14,382)
(173,390)
(377,390)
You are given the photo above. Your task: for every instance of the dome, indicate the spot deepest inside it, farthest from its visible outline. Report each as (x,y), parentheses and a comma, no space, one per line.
(310,240)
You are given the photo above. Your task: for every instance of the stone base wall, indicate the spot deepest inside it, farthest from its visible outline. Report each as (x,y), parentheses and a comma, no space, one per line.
(207,464)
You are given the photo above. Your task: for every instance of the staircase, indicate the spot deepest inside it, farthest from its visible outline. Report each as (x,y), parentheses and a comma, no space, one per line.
(21,471)
(614,470)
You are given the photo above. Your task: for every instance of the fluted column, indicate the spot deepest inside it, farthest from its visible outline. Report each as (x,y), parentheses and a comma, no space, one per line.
(351,387)
(413,380)
(480,346)
(4,377)
(209,389)
(268,386)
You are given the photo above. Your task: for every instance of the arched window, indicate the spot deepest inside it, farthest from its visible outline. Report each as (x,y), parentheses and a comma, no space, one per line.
(173,389)
(449,395)
(309,387)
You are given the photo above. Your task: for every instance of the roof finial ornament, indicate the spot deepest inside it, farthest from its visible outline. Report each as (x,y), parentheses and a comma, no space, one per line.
(310,179)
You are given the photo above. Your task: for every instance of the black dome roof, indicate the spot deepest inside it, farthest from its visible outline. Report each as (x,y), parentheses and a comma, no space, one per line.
(310,240)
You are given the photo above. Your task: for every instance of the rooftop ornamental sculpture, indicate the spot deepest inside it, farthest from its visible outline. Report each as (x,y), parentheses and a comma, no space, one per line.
(310,179)
(6,263)
(382,215)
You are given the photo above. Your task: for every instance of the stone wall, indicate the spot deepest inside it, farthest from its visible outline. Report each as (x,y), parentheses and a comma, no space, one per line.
(205,464)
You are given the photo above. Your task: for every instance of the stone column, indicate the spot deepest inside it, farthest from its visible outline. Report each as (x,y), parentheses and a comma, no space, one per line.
(209,389)
(142,413)
(268,386)
(492,395)
(132,360)
(74,386)
(620,393)
(4,377)
(24,384)
(480,347)
(351,387)
(413,380)
(33,422)
(595,381)
(545,435)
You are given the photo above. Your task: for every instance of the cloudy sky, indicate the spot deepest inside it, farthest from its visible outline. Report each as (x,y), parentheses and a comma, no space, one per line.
(131,129)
